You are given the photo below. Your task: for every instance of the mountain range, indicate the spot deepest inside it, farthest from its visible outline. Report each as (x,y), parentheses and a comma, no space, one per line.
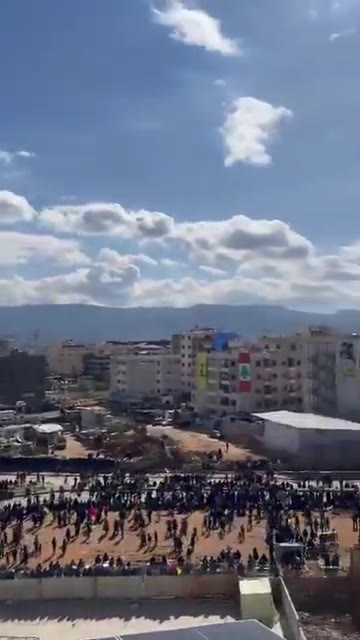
(86,323)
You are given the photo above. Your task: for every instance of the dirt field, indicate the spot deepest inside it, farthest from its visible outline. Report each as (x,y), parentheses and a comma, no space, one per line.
(128,548)
(201,443)
(74,449)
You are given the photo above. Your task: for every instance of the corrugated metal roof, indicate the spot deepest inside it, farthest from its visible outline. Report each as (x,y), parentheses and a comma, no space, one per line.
(308,420)
(244,629)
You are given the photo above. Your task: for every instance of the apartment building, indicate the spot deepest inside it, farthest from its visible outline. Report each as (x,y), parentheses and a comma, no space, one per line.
(198,340)
(347,376)
(249,378)
(146,374)
(315,371)
(70,359)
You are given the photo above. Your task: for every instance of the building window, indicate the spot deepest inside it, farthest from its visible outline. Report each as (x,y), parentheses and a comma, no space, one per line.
(274,376)
(259,405)
(293,347)
(278,346)
(298,363)
(291,362)
(258,363)
(274,363)
(258,377)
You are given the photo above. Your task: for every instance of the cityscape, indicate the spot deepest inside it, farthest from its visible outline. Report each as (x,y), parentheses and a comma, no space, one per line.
(179,320)
(131,460)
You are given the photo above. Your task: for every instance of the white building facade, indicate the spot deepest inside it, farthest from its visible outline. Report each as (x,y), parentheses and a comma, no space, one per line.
(146,374)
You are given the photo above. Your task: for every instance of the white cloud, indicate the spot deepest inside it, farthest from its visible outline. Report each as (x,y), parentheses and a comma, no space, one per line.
(249,128)
(14,209)
(347,33)
(21,248)
(212,271)
(98,218)
(195,27)
(236,259)
(7,157)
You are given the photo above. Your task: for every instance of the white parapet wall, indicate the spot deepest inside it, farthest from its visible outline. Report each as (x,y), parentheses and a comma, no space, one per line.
(120,587)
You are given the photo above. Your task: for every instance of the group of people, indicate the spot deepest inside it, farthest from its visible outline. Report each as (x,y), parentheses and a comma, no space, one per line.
(289,512)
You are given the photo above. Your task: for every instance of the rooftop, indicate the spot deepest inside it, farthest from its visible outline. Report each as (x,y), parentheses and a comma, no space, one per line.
(51,427)
(109,619)
(249,629)
(308,420)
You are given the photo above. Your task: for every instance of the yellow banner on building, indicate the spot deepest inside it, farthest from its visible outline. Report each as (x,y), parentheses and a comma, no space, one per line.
(202,370)
(351,372)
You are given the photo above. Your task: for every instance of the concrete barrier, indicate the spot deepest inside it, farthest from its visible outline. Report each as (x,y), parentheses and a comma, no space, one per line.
(119,587)
(22,589)
(67,588)
(317,594)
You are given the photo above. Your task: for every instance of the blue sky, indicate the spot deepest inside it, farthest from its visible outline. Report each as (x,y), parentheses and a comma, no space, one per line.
(180,151)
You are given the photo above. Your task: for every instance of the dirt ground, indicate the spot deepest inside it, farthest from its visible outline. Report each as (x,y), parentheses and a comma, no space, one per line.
(74,449)
(201,443)
(128,548)
(328,627)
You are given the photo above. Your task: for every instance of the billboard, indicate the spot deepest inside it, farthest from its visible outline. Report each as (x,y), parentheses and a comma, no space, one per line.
(202,371)
(222,340)
(244,372)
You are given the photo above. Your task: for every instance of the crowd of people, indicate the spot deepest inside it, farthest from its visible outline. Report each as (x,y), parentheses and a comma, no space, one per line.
(289,512)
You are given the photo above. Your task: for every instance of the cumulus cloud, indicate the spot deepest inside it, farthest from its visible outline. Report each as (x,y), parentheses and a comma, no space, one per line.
(234,260)
(249,127)
(21,248)
(195,27)
(14,209)
(106,219)
(7,157)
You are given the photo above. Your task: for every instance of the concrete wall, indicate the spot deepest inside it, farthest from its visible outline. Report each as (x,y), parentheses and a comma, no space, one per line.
(321,595)
(120,587)
(284,602)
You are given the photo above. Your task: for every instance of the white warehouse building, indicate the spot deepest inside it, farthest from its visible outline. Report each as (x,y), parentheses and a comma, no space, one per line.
(310,441)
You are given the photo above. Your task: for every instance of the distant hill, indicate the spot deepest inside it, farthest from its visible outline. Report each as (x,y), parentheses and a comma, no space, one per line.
(91,323)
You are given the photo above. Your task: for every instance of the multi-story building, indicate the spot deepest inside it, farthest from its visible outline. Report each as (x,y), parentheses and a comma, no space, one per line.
(97,366)
(66,359)
(22,376)
(315,371)
(145,374)
(198,340)
(69,359)
(248,378)
(347,376)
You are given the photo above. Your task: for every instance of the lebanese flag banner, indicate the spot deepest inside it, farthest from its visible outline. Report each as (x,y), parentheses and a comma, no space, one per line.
(244,357)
